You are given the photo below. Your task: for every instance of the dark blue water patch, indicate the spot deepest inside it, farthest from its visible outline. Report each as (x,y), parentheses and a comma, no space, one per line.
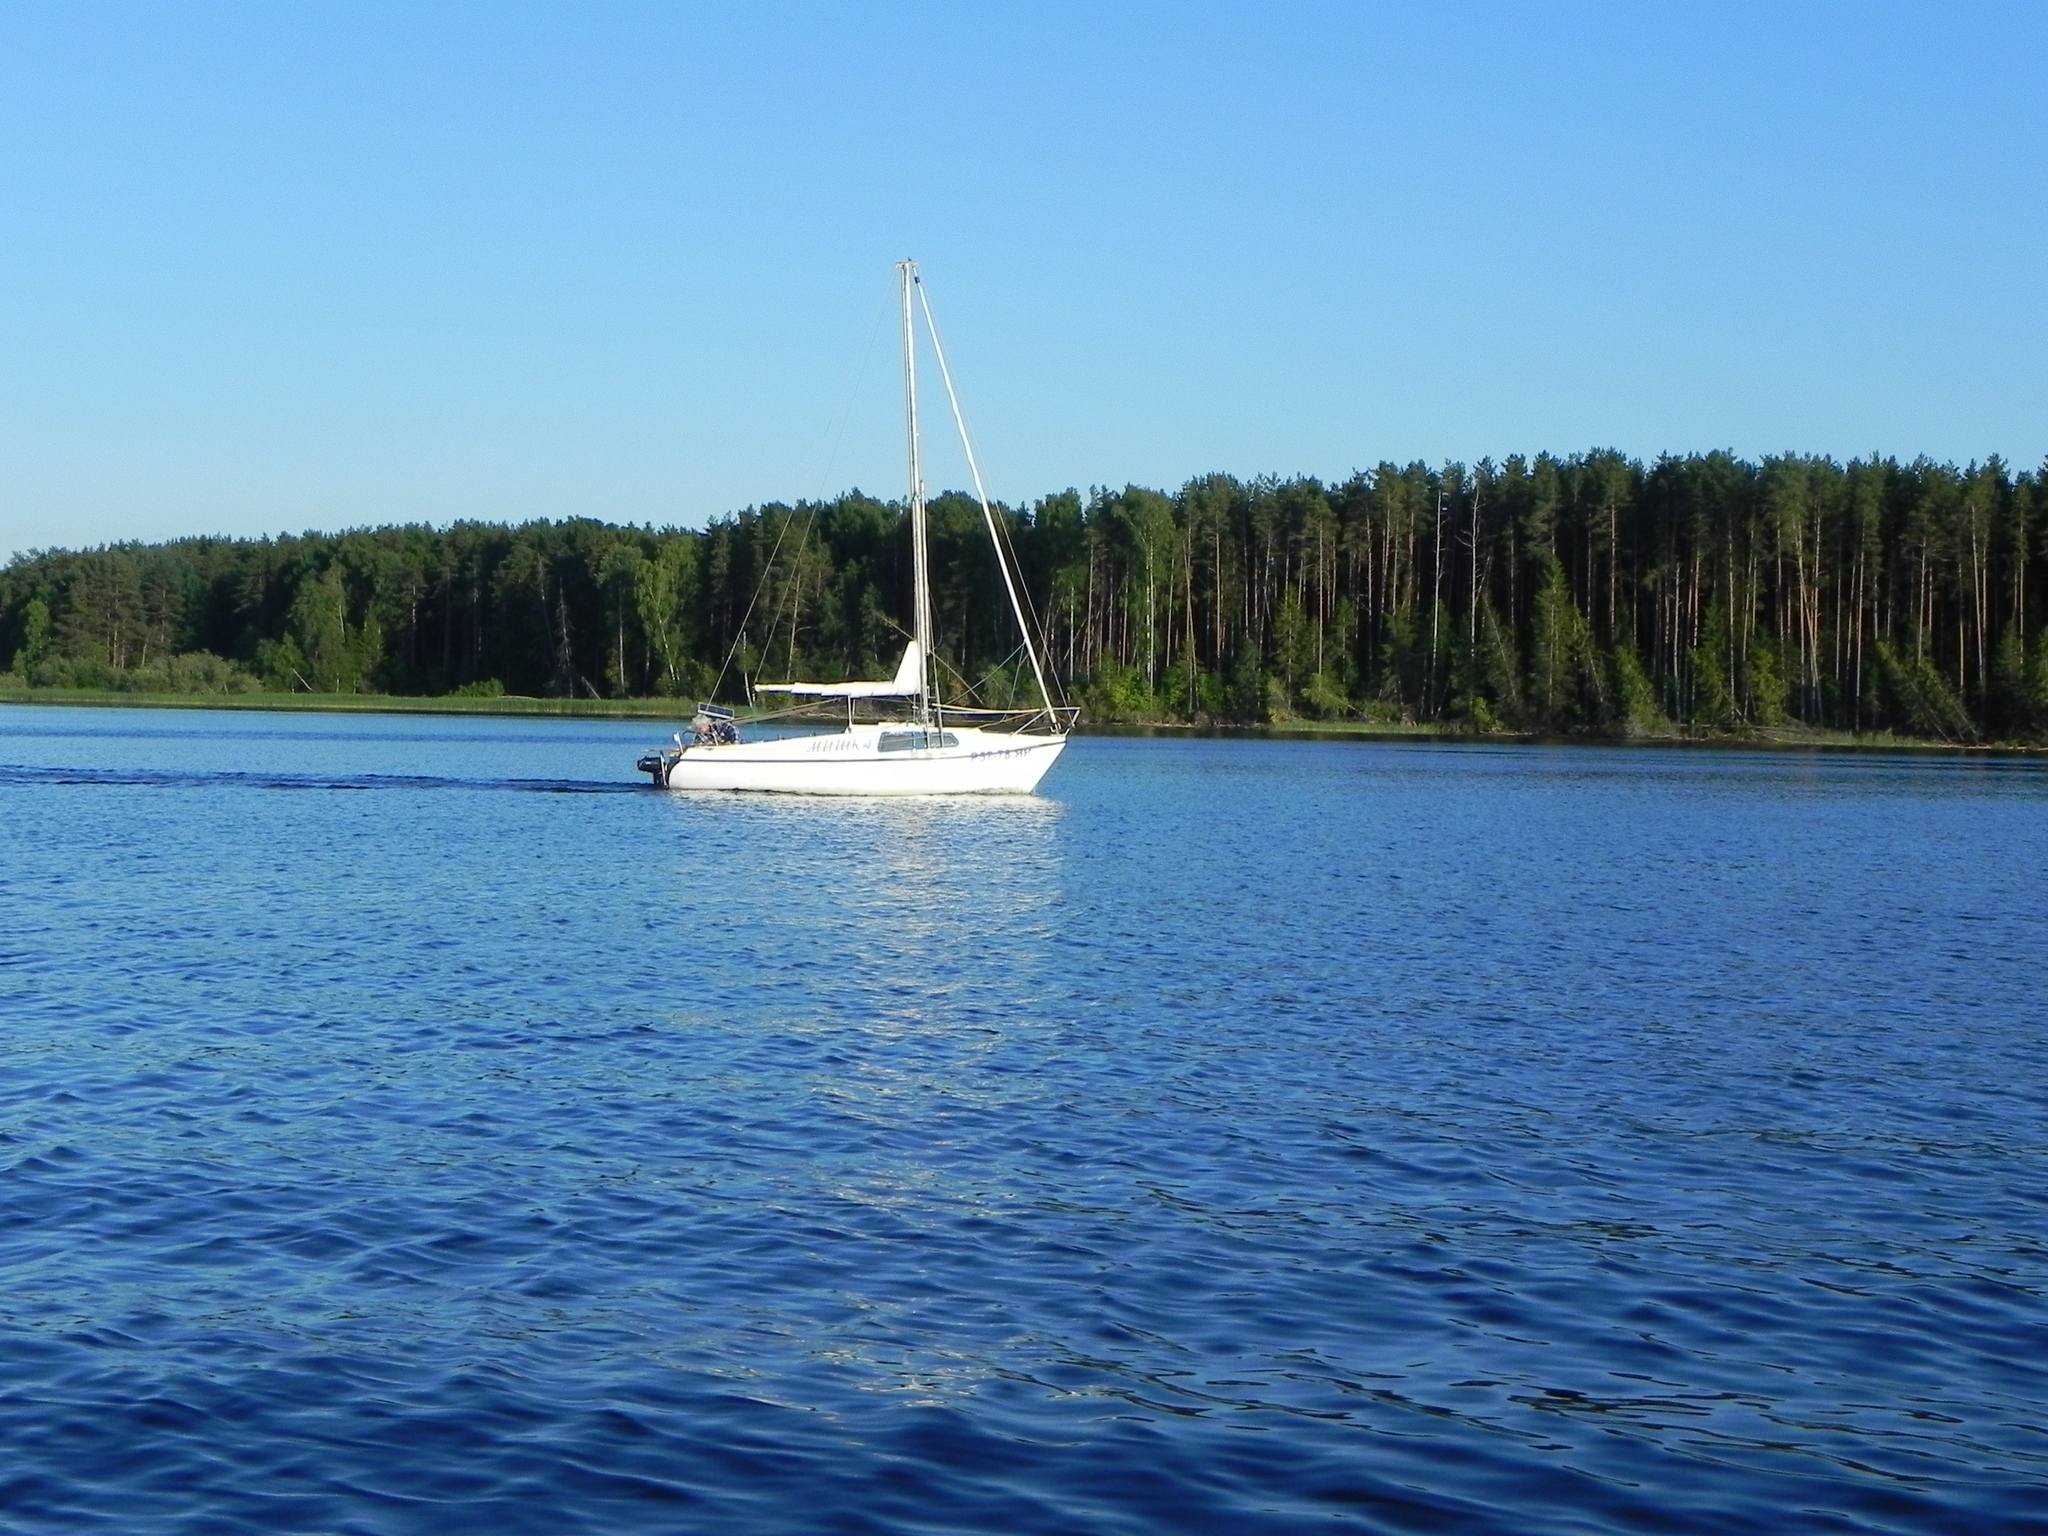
(171,778)
(1239,1137)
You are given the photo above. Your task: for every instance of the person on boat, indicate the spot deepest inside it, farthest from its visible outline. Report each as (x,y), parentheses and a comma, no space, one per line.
(714,730)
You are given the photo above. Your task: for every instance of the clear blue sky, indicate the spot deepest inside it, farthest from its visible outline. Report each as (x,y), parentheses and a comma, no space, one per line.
(271,267)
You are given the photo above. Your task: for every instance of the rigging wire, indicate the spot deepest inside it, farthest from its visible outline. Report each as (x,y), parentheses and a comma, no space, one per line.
(974,689)
(981,493)
(1004,548)
(999,528)
(834,435)
(740,634)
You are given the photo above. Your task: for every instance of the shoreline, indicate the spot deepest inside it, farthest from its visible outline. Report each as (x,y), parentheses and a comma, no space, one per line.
(1779,739)
(1774,739)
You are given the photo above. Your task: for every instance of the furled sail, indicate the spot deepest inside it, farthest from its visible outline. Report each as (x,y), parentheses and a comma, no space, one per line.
(906,683)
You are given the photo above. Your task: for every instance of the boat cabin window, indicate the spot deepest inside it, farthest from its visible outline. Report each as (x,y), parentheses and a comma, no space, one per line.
(911,741)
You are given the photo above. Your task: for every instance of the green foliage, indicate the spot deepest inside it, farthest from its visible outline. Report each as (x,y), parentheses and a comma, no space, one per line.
(1768,690)
(483,688)
(1589,593)
(35,635)
(190,672)
(2031,720)
(1249,697)
(1641,713)
(1919,698)
(1323,696)
(1188,692)
(1714,701)
(661,590)
(282,666)
(1277,705)
(321,651)
(1567,691)
(318,628)
(1400,661)
(2017,706)
(1496,670)
(101,610)
(1293,652)
(1119,693)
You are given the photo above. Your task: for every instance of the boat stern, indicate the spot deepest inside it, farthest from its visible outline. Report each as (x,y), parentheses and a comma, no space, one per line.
(656,765)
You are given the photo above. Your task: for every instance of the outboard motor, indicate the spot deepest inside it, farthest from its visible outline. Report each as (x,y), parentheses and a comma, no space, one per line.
(657,764)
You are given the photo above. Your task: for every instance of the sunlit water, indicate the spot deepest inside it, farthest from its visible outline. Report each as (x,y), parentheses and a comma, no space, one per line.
(414,1126)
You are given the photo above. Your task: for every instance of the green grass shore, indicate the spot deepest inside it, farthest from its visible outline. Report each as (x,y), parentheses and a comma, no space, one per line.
(1781,738)
(1789,738)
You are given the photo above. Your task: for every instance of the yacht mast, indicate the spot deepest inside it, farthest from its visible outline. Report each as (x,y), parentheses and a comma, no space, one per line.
(988,516)
(920,567)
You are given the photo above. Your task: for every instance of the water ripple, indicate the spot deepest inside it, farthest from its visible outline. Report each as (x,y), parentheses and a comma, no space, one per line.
(1244,1137)
(169,778)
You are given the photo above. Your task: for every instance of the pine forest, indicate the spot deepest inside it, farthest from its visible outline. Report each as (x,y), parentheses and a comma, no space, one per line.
(1588,595)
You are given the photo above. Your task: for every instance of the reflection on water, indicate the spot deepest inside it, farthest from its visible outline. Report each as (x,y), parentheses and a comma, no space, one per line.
(1236,1137)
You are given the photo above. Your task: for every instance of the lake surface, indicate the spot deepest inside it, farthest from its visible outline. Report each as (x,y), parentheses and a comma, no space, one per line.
(417,1125)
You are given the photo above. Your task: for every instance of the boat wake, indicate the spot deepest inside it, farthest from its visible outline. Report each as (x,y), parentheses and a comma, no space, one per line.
(175,778)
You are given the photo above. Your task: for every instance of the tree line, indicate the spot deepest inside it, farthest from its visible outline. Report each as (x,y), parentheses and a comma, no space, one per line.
(1586,594)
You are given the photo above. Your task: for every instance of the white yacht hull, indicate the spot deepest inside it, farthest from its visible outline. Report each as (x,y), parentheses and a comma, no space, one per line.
(854,762)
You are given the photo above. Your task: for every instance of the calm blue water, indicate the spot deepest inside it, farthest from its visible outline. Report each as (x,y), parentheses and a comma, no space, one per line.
(416,1126)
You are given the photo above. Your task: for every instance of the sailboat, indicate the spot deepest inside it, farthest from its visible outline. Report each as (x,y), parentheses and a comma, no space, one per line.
(936,748)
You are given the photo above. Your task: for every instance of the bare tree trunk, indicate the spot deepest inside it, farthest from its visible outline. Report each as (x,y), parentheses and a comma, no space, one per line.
(1436,582)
